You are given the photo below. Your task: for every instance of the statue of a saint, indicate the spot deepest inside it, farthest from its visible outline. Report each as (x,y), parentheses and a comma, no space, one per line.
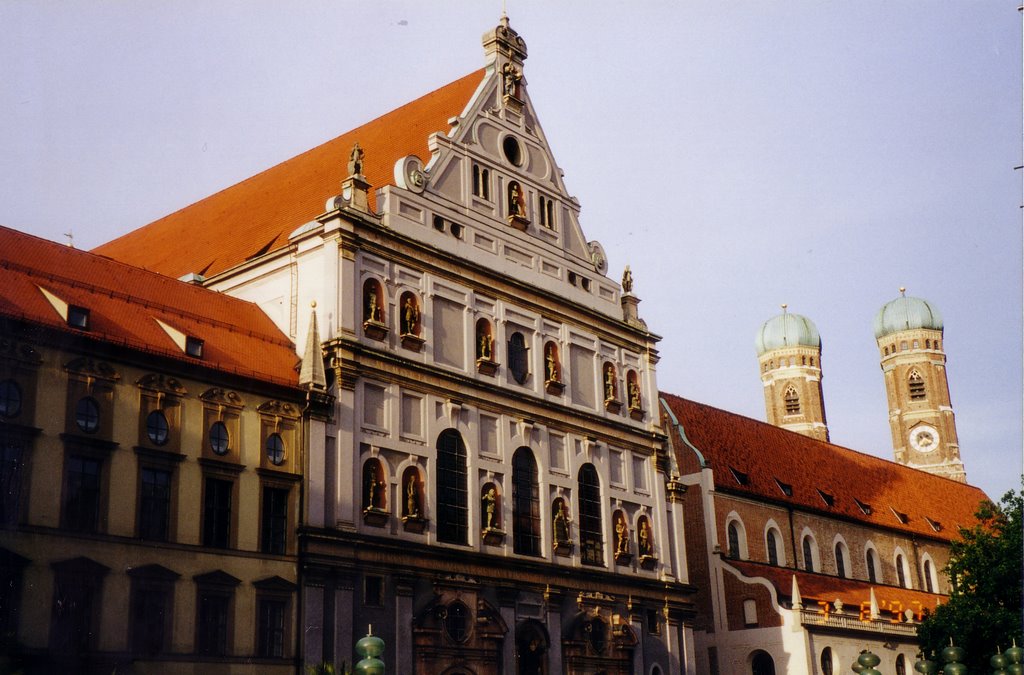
(644,538)
(552,364)
(372,492)
(412,506)
(372,310)
(634,395)
(561,523)
(609,384)
(484,348)
(515,197)
(490,501)
(627,280)
(510,79)
(410,317)
(355,161)
(621,536)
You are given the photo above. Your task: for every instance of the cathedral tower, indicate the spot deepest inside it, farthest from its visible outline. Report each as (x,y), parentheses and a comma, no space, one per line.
(789,353)
(909,336)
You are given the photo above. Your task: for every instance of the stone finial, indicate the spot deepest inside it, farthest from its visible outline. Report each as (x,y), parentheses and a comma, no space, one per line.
(505,42)
(311,374)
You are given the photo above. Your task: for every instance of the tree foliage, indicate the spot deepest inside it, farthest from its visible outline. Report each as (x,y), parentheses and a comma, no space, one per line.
(985,565)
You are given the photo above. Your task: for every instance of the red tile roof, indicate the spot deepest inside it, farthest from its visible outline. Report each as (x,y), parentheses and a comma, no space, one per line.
(258,214)
(816,588)
(734,444)
(125,302)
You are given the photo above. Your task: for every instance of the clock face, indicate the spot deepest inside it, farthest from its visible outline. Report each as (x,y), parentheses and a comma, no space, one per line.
(924,438)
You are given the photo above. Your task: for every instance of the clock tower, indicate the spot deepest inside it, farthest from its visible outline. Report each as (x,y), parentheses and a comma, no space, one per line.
(909,334)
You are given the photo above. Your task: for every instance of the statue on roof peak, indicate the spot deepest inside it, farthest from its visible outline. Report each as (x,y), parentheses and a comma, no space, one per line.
(355,161)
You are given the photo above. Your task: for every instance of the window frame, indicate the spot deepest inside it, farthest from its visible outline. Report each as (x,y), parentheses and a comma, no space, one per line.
(451,489)
(590,508)
(526,531)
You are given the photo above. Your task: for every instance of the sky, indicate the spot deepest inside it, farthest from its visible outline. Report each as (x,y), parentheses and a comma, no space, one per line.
(737,155)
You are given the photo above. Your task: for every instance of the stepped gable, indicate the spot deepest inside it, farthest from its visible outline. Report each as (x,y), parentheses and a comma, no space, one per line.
(257,215)
(125,303)
(752,458)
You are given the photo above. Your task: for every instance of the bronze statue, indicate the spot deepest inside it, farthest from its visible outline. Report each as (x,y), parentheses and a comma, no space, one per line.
(627,280)
(490,502)
(484,349)
(410,317)
(355,161)
(412,498)
(621,535)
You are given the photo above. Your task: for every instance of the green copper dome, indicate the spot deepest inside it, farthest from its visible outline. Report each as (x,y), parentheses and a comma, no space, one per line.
(787,330)
(906,313)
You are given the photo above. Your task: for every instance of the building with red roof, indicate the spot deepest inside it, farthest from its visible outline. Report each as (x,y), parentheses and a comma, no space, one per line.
(141,420)
(804,552)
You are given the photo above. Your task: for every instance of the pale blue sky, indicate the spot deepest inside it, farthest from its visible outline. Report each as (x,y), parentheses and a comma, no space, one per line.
(737,155)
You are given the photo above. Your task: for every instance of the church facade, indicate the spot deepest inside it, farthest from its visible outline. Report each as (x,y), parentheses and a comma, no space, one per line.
(492,489)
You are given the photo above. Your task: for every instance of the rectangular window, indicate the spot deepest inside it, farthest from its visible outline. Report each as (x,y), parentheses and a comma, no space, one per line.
(217,513)
(212,623)
(82,494)
(73,620)
(373,591)
(150,612)
(615,467)
(271,627)
(640,473)
(373,405)
(11,469)
(412,415)
(274,536)
(154,504)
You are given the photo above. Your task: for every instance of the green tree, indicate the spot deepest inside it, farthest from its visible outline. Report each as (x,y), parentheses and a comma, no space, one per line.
(984,608)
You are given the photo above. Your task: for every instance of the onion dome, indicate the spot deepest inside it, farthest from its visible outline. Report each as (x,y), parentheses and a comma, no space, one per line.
(906,313)
(787,330)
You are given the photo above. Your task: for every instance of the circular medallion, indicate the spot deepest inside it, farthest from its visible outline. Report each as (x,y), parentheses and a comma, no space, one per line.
(598,257)
(924,438)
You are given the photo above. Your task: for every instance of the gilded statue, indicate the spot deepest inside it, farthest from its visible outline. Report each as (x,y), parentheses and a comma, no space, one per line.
(412,506)
(644,538)
(621,536)
(485,346)
(561,523)
(609,384)
(552,364)
(634,395)
(490,503)
(410,317)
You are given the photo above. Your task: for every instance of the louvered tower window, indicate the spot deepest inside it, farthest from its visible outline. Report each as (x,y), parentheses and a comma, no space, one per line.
(792,400)
(916,386)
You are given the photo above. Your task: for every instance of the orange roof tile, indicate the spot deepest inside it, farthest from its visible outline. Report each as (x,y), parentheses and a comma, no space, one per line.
(258,214)
(816,588)
(125,302)
(767,454)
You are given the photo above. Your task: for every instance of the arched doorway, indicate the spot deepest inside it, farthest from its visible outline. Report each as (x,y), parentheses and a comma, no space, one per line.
(762,664)
(531,648)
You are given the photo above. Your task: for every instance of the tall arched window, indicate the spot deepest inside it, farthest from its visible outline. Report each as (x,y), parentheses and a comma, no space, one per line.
(525,503)
(518,363)
(872,560)
(452,503)
(792,400)
(901,665)
(591,543)
(773,548)
(901,574)
(734,540)
(808,553)
(762,664)
(929,584)
(840,559)
(826,661)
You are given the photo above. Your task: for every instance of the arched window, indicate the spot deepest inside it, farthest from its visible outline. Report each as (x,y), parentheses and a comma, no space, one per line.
(929,579)
(872,560)
(901,573)
(792,400)
(733,533)
(518,363)
(901,665)
(452,504)
(591,544)
(525,503)
(773,547)
(840,559)
(762,664)
(531,648)
(808,546)
(826,661)
(87,415)
(915,384)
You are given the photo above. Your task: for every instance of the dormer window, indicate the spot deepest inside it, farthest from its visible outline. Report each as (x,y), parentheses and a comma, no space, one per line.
(864,508)
(827,498)
(786,488)
(741,478)
(78,317)
(194,347)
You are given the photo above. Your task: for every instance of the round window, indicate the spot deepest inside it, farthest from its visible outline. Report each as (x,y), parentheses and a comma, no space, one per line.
(10,398)
(275,449)
(456,622)
(219,438)
(513,152)
(156,427)
(87,415)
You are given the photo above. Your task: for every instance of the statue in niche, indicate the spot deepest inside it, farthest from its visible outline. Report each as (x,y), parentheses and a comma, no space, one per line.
(634,395)
(515,200)
(621,535)
(561,523)
(552,364)
(372,491)
(490,503)
(372,308)
(510,80)
(412,506)
(627,280)
(484,349)
(644,538)
(410,316)
(355,161)
(609,384)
